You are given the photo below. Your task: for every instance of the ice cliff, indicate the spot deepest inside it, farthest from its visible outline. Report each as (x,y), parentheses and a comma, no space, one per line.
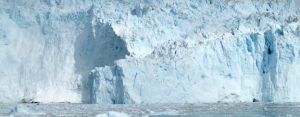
(161,51)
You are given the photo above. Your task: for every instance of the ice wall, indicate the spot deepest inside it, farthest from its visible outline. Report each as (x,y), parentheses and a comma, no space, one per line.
(48,48)
(148,51)
(213,51)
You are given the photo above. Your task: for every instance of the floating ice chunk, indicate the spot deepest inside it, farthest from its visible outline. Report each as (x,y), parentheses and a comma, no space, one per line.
(170,112)
(22,110)
(113,114)
(102,115)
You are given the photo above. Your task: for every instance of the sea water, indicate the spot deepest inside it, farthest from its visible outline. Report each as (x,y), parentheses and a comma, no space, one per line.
(155,110)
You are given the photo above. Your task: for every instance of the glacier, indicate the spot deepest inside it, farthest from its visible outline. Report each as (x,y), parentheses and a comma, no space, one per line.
(142,51)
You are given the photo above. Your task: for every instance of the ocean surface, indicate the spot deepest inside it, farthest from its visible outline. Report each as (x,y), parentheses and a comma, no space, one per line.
(255,109)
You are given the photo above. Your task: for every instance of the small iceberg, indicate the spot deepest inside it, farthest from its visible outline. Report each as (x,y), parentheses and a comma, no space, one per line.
(21,110)
(113,114)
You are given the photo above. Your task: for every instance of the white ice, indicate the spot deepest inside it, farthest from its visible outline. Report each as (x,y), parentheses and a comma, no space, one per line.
(162,51)
(113,114)
(22,110)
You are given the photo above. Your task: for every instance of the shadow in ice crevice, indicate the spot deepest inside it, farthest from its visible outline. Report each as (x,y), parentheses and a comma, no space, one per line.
(96,50)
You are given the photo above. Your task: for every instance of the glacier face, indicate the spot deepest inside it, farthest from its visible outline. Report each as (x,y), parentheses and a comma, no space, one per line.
(49,47)
(159,51)
(229,52)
